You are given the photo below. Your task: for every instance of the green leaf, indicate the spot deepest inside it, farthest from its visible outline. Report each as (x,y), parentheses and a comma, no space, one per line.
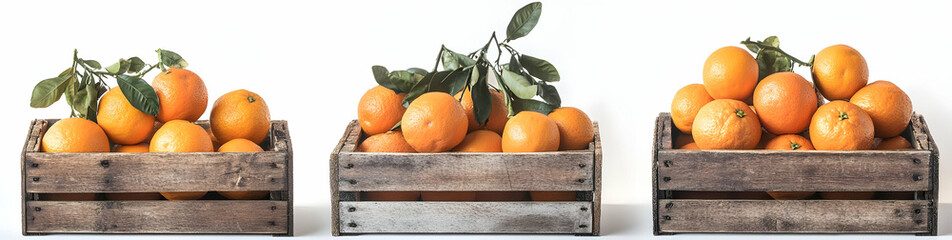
(418,71)
(80,101)
(753,47)
(770,61)
(429,83)
(382,76)
(119,67)
(772,41)
(171,59)
(135,65)
(550,95)
(519,105)
(482,99)
(403,80)
(456,80)
(48,91)
(539,68)
(518,84)
(92,64)
(452,60)
(523,21)
(139,94)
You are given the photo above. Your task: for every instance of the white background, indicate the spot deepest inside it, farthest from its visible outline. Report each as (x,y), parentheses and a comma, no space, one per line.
(620,61)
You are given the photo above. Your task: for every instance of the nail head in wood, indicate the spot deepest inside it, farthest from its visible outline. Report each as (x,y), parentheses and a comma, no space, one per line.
(274,208)
(917,211)
(667,179)
(582,226)
(35,165)
(352,209)
(349,166)
(274,180)
(581,180)
(584,209)
(271,223)
(669,205)
(104,163)
(274,165)
(916,177)
(352,224)
(36,179)
(666,217)
(667,163)
(37,209)
(352,181)
(916,161)
(581,165)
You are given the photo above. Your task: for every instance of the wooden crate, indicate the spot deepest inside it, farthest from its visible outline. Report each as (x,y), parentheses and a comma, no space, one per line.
(914,171)
(352,172)
(269,170)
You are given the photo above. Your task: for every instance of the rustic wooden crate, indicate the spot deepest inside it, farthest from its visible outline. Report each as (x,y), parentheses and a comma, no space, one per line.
(270,170)
(352,172)
(914,170)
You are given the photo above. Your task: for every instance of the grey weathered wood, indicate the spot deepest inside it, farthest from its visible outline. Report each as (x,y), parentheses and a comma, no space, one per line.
(281,142)
(254,217)
(335,175)
(551,171)
(762,170)
(794,216)
(597,188)
(920,129)
(466,217)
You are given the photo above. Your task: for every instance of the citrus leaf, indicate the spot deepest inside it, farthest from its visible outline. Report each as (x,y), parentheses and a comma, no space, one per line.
(119,67)
(171,59)
(772,41)
(523,21)
(382,76)
(519,105)
(453,60)
(48,91)
(429,83)
(403,80)
(482,99)
(518,84)
(539,68)
(419,71)
(139,93)
(92,63)
(753,47)
(80,101)
(135,64)
(550,95)
(456,80)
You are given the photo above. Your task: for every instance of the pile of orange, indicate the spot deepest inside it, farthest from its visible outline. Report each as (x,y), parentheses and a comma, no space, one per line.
(733,110)
(240,120)
(439,122)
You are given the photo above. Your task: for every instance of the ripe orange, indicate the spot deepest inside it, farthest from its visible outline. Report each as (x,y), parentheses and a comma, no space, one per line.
(182,95)
(379,110)
(181,136)
(730,73)
(789,142)
(690,146)
(449,196)
(174,196)
(726,124)
(894,143)
(138,148)
(240,114)
(242,145)
(498,114)
(144,196)
(790,195)
(391,141)
(123,123)
(502,196)
(786,103)
(840,125)
(575,128)
(74,135)
(682,139)
(215,143)
(888,106)
(434,122)
(687,101)
(839,71)
(847,195)
(480,141)
(552,196)
(390,196)
(530,131)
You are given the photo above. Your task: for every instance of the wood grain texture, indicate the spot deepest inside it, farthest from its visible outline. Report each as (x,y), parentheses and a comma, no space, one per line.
(281,142)
(466,217)
(255,217)
(597,188)
(923,138)
(335,176)
(794,216)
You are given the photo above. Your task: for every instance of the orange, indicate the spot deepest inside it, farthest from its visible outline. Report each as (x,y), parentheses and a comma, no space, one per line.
(839,71)
(687,101)
(691,146)
(894,143)
(390,196)
(379,110)
(847,195)
(182,95)
(786,103)
(575,128)
(240,114)
(683,139)
(181,136)
(391,141)
(840,125)
(138,148)
(74,135)
(730,73)
(726,124)
(215,143)
(480,141)
(144,196)
(498,114)
(502,196)
(242,145)
(789,142)
(530,131)
(434,122)
(790,195)
(174,196)
(123,123)
(449,196)
(552,196)
(888,106)
(68,196)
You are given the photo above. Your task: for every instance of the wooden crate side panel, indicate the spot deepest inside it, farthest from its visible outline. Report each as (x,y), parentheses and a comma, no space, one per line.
(335,174)
(466,217)
(794,216)
(597,191)
(151,172)
(790,171)
(552,171)
(923,138)
(240,217)
(281,140)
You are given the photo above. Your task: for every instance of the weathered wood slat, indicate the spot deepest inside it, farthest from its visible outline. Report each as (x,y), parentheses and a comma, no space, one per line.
(466,217)
(794,216)
(550,171)
(335,176)
(155,172)
(597,190)
(761,170)
(243,217)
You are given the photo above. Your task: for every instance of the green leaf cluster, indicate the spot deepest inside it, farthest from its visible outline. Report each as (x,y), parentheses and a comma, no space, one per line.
(770,58)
